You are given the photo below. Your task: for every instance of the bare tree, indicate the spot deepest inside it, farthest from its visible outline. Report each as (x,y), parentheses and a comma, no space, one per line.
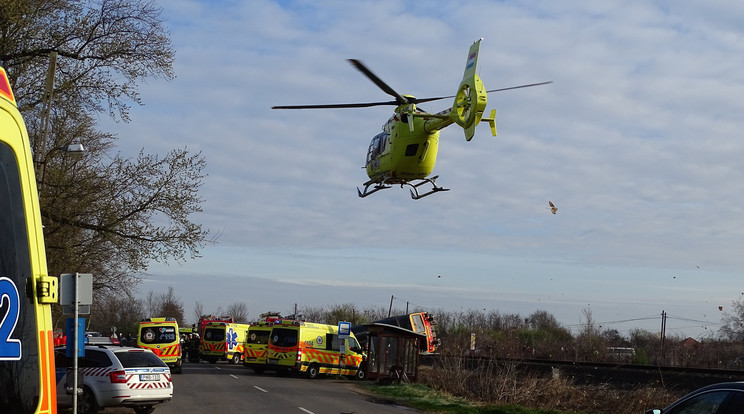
(120,311)
(102,213)
(198,311)
(732,324)
(164,305)
(239,312)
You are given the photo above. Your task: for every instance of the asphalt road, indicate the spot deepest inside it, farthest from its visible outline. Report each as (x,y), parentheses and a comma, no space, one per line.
(225,389)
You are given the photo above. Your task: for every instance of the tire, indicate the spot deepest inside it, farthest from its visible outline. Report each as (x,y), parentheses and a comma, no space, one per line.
(235,358)
(313,371)
(178,368)
(87,403)
(361,372)
(144,409)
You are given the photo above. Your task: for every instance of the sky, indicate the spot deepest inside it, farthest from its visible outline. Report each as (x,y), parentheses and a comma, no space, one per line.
(637,142)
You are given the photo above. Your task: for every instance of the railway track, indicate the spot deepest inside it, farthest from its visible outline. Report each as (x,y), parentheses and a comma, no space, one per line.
(596,373)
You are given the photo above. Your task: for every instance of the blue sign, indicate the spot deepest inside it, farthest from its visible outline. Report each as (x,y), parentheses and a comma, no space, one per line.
(71,337)
(344,329)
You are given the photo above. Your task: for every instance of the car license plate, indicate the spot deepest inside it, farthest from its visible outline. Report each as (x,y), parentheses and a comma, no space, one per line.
(273,361)
(149,377)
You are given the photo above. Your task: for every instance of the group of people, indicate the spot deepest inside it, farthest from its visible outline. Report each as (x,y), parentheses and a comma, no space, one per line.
(191,346)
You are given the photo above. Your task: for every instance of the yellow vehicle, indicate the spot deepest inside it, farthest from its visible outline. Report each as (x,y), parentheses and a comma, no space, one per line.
(26,339)
(257,346)
(312,348)
(406,150)
(223,341)
(160,335)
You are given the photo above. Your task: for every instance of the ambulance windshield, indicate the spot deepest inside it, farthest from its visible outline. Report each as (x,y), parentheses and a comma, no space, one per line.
(258,337)
(214,334)
(158,335)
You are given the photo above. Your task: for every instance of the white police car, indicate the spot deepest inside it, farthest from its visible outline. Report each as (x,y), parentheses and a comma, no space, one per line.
(114,376)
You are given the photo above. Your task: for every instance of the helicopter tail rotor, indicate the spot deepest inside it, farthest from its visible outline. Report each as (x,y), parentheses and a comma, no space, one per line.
(472,97)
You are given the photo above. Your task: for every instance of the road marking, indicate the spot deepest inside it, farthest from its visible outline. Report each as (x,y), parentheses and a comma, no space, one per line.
(233,376)
(306,410)
(259,388)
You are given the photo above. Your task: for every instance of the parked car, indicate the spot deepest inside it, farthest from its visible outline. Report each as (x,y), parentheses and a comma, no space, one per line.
(722,398)
(113,376)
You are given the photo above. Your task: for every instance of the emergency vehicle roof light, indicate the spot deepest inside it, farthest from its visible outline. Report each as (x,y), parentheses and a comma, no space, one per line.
(5,89)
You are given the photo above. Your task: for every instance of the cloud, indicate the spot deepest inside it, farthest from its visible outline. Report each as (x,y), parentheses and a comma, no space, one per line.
(637,140)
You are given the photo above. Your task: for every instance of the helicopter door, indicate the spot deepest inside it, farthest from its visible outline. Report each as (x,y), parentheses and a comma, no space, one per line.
(377,146)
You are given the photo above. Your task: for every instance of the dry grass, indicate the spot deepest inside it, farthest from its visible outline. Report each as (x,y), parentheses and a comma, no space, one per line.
(501,384)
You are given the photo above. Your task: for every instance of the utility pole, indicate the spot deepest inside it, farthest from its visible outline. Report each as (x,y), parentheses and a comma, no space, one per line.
(390,310)
(663,336)
(46,107)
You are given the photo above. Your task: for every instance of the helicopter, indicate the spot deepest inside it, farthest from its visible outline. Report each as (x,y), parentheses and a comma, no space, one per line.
(405,152)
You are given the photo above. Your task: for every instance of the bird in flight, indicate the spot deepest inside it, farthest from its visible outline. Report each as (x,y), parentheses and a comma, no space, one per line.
(553,208)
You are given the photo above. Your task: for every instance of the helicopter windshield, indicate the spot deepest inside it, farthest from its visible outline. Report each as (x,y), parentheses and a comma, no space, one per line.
(377,146)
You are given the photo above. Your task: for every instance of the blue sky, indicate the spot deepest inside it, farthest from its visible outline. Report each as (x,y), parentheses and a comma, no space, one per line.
(637,142)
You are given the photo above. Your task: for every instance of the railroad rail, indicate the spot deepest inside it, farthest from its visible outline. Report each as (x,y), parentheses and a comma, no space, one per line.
(596,373)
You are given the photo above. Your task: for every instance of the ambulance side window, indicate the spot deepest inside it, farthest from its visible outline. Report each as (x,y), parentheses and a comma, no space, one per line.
(333,343)
(354,345)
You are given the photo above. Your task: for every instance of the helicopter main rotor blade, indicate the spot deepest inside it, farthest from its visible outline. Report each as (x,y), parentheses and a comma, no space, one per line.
(344,105)
(420,100)
(519,87)
(380,84)
(399,99)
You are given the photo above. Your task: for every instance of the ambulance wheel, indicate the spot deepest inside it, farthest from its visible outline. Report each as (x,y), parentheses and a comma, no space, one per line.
(313,371)
(235,358)
(87,402)
(178,368)
(361,374)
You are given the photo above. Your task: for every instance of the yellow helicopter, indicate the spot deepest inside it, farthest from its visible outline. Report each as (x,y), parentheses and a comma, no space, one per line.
(406,150)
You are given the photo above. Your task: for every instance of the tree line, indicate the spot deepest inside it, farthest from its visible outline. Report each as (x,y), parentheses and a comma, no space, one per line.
(538,335)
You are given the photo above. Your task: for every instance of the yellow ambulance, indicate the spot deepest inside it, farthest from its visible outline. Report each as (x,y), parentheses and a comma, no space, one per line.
(28,381)
(256,346)
(160,335)
(223,341)
(313,349)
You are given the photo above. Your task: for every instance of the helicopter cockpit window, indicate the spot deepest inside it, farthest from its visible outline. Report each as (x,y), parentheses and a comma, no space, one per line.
(377,146)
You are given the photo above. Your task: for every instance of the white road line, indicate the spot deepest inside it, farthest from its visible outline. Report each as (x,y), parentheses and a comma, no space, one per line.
(306,410)
(233,376)
(259,388)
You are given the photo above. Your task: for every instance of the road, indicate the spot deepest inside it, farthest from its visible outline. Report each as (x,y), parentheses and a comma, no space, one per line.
(225,389)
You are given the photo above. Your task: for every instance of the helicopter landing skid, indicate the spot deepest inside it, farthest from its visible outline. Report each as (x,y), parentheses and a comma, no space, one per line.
(377,186)
(414,188)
